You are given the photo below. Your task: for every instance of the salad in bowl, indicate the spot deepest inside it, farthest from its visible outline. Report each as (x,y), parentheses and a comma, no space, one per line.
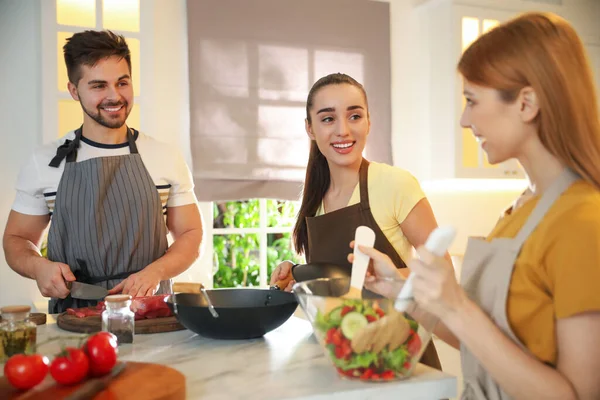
(364,338)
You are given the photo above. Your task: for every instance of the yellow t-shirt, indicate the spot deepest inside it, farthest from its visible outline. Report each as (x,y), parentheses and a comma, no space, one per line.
(557,273)
(393,193)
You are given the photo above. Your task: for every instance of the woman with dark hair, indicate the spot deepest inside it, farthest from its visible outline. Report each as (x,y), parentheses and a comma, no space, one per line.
(343,190)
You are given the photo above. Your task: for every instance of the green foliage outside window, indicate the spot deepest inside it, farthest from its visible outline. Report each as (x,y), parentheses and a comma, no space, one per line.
(236,256)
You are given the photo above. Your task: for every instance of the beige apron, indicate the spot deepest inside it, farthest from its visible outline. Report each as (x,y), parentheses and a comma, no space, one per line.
(486,275)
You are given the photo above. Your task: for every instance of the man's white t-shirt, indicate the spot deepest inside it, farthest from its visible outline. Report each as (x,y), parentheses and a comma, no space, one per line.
(37,181)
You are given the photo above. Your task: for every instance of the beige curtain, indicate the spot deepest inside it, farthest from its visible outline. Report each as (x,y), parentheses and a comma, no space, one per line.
(252,63)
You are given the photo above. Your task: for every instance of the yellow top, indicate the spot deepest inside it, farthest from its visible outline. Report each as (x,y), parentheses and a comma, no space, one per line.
(558,270)
(393,193)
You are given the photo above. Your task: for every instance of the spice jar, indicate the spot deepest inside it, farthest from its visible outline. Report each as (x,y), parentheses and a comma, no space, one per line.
(118,318)
(17,333)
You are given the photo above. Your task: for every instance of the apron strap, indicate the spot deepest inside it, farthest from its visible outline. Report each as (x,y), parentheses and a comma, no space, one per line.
(82,275)
(363,178)
(67,150)
(131,138)
(548,198)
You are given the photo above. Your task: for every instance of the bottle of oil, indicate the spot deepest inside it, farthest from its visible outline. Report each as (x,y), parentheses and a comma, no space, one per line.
(17,333)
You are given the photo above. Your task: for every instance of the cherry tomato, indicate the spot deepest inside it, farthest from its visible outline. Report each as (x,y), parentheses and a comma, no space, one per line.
(346,349)
(371,318)
(101,350)
(343,351)
(388,375)
(380,312)
(329,336)
(346,310)
(414,343)
(367,374)
(26,371)
(70,367)
(336,337)
(350,372)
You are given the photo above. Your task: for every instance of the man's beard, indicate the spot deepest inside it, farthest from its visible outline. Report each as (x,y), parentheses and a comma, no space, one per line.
(108,123)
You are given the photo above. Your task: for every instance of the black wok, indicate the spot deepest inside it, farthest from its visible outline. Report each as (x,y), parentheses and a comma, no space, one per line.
(310,271)
(243,313)
(339,274)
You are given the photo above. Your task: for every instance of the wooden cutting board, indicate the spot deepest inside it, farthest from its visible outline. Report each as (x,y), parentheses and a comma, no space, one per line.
(94,324)
(137,381)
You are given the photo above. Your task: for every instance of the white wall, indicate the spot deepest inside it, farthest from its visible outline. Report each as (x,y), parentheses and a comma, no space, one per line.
(20,116)
(473,207)
(169,93)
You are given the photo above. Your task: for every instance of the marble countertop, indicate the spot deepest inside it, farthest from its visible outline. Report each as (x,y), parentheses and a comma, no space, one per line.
(287,363)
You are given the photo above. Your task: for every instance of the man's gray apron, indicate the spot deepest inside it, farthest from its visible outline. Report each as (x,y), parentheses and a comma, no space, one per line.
(486,274)
(108,220)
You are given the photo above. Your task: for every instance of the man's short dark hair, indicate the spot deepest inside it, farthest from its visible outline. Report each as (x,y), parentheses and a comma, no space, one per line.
(89,47)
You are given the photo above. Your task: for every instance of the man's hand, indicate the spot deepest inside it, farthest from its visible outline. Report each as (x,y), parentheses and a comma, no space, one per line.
(51,276)
(143,283)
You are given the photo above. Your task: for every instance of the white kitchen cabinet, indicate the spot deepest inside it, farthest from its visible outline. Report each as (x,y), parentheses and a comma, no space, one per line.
(455,153)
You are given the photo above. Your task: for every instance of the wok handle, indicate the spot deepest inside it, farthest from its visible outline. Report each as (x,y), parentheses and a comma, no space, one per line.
(187,287)
(282,284)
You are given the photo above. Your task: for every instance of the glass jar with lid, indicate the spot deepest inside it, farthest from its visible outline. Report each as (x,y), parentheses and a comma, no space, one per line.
(17,333)
(118,318)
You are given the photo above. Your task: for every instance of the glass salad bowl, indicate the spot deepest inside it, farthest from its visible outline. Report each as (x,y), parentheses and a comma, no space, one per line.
(366,337)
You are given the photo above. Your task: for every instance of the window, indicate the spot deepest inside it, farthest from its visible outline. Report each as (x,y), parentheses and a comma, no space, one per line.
(472,28)
(60,20)
(248,89)
(250,238)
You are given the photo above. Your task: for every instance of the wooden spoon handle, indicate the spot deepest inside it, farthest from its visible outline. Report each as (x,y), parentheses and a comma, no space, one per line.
(282,284)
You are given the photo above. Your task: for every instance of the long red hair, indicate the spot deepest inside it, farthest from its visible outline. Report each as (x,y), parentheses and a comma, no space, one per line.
(543,51)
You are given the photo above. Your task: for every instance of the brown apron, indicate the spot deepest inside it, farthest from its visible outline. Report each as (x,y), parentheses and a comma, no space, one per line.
(330,234)
(486,275)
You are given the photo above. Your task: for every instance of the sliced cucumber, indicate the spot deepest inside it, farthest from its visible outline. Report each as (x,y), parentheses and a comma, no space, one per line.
(335,316)
(352,323)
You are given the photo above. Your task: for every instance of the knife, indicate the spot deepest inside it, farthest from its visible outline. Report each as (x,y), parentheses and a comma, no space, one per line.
(92,387)
(86,291)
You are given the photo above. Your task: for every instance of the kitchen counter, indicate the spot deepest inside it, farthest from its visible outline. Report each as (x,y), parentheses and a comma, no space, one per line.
(287,363)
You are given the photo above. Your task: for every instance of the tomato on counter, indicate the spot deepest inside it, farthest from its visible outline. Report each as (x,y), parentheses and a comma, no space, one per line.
(26,371)
(70,366)
(101,350)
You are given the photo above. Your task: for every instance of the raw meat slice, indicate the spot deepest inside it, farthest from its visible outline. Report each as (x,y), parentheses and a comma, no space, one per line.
(146,307)
(84,312)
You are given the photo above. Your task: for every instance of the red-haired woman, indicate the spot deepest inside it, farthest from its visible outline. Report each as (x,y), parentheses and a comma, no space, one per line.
(526,315)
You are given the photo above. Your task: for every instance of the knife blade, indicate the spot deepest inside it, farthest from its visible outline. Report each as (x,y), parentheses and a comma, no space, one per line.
(92,387)
(86,291)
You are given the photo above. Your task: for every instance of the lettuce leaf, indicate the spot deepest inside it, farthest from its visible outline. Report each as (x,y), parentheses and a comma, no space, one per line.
(414,325)
(323,323)
(363,360)
(394,360)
